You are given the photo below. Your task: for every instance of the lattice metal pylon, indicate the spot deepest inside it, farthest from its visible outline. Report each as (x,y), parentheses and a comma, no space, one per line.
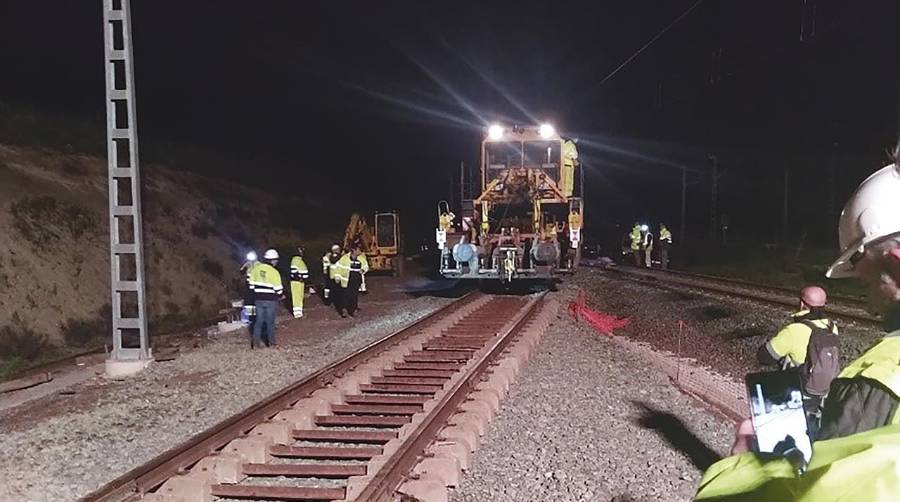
(129,315)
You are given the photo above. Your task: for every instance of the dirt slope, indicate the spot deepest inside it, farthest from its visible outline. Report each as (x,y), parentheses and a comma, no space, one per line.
(54,258)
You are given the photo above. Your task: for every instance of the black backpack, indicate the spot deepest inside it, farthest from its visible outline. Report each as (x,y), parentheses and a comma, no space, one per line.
(823,359)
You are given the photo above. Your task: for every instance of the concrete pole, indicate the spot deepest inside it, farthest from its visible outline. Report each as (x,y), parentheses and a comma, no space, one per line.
(683,203)
(713,217)
(784,210)
(131,341)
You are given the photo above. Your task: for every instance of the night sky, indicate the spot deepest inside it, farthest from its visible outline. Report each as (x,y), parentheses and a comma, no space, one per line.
(377,103)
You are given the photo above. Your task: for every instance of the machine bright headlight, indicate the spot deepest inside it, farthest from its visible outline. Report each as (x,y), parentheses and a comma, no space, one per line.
(546,131)
(251,256)
(495,131)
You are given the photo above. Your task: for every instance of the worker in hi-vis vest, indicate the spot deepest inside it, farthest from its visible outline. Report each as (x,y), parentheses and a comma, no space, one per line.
(636,240)
(265,284)
(349,273)
(665,243)
(299,276)
(567,174)
(329,289)
(647,245)
(574,228)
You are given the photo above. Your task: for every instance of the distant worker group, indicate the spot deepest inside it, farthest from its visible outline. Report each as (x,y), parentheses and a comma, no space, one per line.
(343,278)
(641,243)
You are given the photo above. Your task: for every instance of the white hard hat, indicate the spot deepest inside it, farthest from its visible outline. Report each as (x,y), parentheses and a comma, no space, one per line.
(271,254)
(871,215)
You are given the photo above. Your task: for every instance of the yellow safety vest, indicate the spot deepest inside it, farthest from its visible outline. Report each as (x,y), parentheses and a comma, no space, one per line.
(575,221)
(861,467)
(793,339)
(264,282)
(665,235)
(299,272)
(327,266)
(445,222)
(636,238)
(341,269)
(570,152)
(880,363)
(567,173)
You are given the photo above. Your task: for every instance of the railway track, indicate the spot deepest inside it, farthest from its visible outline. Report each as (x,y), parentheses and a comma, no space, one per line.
(846,308)
(396,415)
(849,301)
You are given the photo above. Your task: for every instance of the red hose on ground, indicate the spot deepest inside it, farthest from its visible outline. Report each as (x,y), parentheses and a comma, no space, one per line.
(604,323)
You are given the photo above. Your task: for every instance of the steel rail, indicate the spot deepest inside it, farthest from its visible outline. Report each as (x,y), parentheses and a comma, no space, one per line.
(397,467)
(142,479)
(844,299)
(662,281)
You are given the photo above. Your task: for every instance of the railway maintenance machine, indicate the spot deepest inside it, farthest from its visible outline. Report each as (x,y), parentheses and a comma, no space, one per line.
(382,247)
(526,222)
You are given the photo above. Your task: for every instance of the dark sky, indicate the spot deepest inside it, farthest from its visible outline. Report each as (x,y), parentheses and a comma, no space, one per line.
(387,98)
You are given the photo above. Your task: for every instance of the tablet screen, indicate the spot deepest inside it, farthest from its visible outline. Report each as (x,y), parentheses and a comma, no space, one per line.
(776,408)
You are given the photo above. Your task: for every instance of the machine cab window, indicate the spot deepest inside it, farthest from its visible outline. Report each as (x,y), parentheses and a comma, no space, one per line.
(543,155)
(501,155)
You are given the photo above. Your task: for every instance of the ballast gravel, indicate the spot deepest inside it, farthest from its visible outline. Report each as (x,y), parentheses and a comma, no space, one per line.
(719,331)
(125,424)
(588,421)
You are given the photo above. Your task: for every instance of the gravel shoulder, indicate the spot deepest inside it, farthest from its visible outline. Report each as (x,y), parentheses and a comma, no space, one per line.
(63,446)
(589,421)
(719,331)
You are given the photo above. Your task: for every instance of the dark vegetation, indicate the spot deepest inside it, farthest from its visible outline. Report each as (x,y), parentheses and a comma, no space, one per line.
(4,279)
(21,342)
(89,332)
(43,220)
(790,266)
(202,230)
(74,167)
(19,345)
(212,267)
(47,223)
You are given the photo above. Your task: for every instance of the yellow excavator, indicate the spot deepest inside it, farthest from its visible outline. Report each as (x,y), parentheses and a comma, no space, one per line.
(381,245)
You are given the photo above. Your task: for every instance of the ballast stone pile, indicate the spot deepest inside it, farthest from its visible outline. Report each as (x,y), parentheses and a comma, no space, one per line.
(587,420)
(71,455)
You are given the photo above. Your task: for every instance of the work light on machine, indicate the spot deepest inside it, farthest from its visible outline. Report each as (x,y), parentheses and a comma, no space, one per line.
(546,131)
(495,131)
